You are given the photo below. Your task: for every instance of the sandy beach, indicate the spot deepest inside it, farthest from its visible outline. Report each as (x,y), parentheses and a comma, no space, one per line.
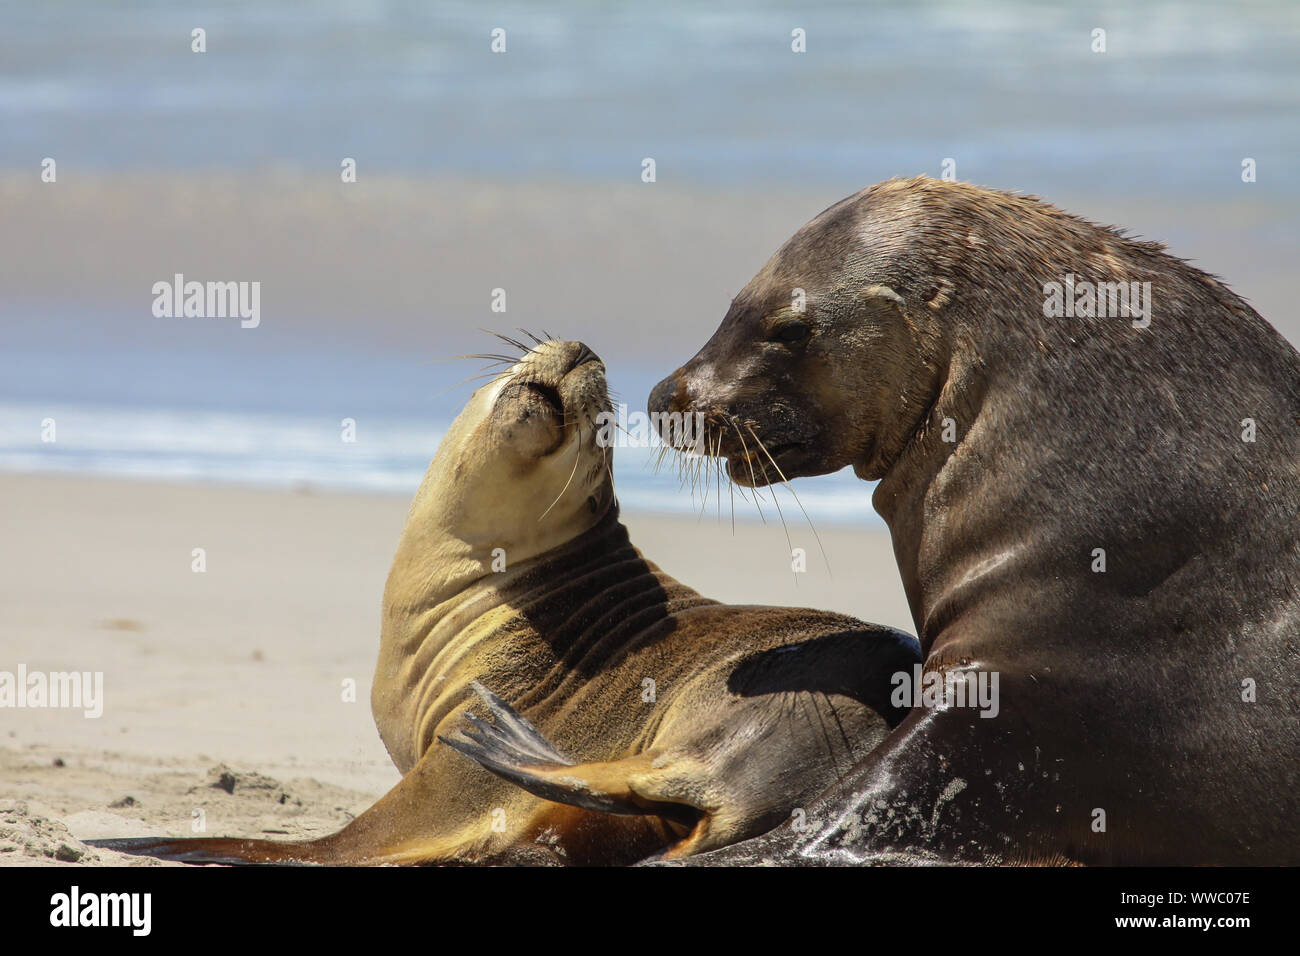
(224,690)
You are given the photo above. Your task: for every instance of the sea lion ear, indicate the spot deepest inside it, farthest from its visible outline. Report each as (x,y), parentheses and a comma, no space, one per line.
(884,293)
(935,295)
(882,300)
(881,304)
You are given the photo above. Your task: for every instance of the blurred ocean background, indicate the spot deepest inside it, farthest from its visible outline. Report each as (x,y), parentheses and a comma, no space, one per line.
(522,170)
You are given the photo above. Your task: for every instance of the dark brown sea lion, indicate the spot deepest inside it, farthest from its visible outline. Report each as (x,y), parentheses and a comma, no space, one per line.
(1098,503)
(679,724)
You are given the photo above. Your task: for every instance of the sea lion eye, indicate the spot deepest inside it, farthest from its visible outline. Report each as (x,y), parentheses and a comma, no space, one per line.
(790,333)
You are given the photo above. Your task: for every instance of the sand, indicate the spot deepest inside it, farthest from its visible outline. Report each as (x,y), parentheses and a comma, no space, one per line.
(224,691)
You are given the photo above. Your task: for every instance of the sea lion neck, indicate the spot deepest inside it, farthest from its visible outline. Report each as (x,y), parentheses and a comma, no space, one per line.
(583,602)
(604,540)
(943,429)
(950,435)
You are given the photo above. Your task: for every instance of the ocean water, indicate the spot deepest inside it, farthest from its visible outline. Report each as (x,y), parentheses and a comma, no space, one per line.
(270,409)
(1010,89)
(380,455)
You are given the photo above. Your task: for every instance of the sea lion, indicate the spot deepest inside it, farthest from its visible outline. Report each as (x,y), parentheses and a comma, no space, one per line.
(680,724)
(1099,505)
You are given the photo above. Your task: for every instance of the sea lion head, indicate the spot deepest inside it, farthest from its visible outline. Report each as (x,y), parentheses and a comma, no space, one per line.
(521,467)
(828,357)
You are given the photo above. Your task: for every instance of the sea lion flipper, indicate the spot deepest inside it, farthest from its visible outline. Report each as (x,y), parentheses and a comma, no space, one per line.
(226,851)
(604,787)
(512,748)
(512,729)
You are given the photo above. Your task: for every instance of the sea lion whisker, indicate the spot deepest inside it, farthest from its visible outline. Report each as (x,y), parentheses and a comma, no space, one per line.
(492,356)
(699,466)
(505,338)
(664,451)
(677,459)
(780,513)
(717,470)
(703,472)
(731,488)
(524,349)
(789,488)
(684,467)
(706,472)
(493,375)
(718,474)
(753,479)
(710,472)
(695,478)
(604,454)
(577,457)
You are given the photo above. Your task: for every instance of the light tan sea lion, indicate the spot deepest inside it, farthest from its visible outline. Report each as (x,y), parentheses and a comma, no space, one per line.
(754,710)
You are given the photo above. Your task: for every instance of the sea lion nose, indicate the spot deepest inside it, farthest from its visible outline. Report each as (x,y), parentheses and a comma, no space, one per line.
(584,355)
(669,395)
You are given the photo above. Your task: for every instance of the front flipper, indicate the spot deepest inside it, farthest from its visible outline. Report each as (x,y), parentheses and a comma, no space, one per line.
(512,748)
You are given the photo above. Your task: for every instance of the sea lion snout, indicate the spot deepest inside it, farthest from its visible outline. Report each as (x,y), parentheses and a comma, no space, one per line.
(549,363)
(669,395)
(768,402)
(690,389)
(555,388)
